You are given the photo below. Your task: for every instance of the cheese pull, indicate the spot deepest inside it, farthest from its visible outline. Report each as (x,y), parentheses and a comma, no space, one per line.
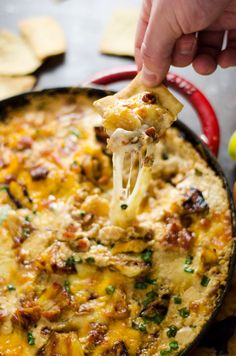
(135,118)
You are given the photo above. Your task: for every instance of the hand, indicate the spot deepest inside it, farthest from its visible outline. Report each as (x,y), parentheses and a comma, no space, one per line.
(166,35)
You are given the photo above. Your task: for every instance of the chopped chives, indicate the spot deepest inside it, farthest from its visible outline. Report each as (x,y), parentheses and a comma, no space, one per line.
(188,269)
(139,326)
(174,345)
(70,262)
(30,339)
(90,260)
(177,299)
(205,281)
(189,260)
(184,312)
(165,352)
(67,286)
(110,289)
(146,256)
(140,285)
(172,331)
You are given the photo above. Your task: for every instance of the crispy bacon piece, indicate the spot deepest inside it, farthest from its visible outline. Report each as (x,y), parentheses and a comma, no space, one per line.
(118,306)
(97,333)
(53,301)
(24,143)
(101,134)
(177,235)
(149,98)
(195,202)
(151,132)
(26,316)
(39,173)
(118,349)
(63,344)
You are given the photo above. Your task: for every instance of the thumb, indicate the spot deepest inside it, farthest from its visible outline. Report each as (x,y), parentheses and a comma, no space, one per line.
(158,44)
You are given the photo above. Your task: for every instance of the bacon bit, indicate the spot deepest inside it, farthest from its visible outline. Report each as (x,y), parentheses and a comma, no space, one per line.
(101,134)
(195,202)
(149,98)
(70,231)
(118,349)
(3,314)
(39,173)
(25,317)
(97,334)
(87,220)
(82,245)
(177,235)
(104,180)
(45,331)
(24,143)
(10,178)
(2,163)
(194,306)
(118,308)
(52,314)
(151,132)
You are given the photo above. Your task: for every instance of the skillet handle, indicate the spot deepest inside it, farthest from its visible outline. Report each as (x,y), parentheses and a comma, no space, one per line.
(203,108)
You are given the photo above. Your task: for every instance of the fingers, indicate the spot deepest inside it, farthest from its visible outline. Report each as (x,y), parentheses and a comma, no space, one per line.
(185,49)
(209,48)
(158,44)
(141,30)
(227,58)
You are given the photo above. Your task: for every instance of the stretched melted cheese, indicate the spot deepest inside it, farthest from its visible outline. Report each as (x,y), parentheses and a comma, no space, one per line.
(127,116)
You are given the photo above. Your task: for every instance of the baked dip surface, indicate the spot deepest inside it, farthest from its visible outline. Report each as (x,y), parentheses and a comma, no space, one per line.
(71,283)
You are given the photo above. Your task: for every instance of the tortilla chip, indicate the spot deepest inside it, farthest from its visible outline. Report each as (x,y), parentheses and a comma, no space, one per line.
(119,36)
(44,35)
(10,86)
(16,57)
(128,121)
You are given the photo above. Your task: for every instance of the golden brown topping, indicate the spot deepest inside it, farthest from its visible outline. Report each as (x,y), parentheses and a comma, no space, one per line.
(195,202)
(97,333)
(149,98)
(39,173)
(24,143)
(26,316)
(63,344)
(151,132)
(118,349)
(118,306)
(101,134)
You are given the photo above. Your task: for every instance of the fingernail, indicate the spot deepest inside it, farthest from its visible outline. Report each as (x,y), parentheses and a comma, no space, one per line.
(149,78)
(187,47)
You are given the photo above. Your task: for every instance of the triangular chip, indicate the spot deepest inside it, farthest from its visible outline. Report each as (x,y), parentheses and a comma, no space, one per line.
(10,86)
(136,105)
(119,35)
(16,57)
(44,35)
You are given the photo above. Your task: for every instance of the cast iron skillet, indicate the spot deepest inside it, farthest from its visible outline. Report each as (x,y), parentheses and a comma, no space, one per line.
(211,137)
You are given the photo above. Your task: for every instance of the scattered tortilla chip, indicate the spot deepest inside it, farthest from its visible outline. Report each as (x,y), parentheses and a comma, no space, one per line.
(44,35)
(119,36)
(16,57)
(10,86)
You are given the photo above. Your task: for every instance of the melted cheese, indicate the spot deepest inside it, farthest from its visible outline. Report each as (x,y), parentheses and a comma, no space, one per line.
(69,278)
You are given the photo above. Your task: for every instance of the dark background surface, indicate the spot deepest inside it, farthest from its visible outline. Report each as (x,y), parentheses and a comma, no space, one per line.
(84,22)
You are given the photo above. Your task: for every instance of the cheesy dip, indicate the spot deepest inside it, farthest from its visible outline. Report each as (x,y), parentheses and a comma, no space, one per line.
(71,283)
